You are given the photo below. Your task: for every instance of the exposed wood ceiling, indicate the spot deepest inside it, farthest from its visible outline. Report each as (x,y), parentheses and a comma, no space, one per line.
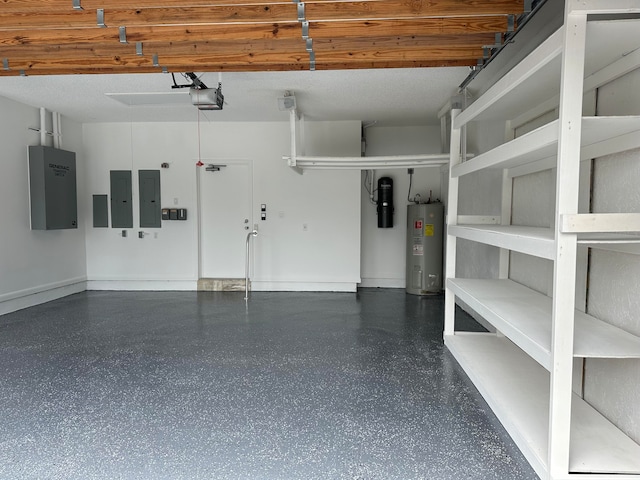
(54,37)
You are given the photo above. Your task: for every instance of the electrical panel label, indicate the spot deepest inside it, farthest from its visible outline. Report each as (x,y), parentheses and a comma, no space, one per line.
(428,230)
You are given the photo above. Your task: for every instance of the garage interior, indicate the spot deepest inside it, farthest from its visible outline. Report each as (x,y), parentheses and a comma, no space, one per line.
(222,290)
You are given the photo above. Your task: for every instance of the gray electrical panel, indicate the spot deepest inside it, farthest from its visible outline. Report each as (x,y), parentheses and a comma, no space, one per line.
(52,186)
(121,203)
(100,211)
(425,233)
(150,211)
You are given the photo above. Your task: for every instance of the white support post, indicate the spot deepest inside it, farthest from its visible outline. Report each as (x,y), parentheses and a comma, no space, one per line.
(505,209)
(293,125)
(452,219)
(293,130)
(570,125)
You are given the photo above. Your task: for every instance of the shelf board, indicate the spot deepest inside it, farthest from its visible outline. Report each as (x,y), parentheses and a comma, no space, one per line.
(517,390)
(536,79)
(524,316)
(598,139)
(539,242)
(530,240)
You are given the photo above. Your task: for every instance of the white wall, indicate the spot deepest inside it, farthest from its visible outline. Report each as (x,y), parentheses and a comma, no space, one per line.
(35,266)
(613,386)
(324,257)
(384,249)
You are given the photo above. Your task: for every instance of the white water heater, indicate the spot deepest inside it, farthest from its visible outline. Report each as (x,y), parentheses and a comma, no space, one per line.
(425,233)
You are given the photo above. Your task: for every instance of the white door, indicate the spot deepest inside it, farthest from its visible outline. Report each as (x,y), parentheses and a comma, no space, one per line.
(225,219)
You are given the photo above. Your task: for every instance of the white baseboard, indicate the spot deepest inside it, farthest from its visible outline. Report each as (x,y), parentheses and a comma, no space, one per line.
(143,285)
(263,286)
(11,302)
(383,283)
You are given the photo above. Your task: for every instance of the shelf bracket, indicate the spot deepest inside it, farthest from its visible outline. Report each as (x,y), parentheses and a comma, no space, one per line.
(100,18)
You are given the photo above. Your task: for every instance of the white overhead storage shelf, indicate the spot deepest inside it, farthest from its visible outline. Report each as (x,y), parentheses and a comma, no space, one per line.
(517,389)
(600,136)
(536,79)
(370,163)
(524,316)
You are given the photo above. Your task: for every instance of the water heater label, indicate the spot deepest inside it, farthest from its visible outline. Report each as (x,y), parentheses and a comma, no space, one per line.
(417,225)
(428,230)
(418,250)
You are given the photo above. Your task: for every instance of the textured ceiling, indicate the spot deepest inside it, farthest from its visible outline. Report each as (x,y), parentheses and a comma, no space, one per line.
(389,96)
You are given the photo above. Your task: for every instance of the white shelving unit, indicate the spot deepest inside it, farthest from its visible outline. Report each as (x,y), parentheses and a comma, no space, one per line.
(525,369)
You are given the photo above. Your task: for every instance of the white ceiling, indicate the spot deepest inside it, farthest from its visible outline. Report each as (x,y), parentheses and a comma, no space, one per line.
(388,96)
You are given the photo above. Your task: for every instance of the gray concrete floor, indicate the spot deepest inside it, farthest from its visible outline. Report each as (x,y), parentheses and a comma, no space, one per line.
(186,385)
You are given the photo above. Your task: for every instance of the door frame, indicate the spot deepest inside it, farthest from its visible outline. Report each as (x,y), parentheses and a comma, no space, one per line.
(201,171)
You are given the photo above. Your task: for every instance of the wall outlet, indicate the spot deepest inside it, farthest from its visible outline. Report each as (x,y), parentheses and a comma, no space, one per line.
(123,233)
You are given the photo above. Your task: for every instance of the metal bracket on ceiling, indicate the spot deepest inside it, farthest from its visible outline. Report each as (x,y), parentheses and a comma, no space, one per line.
(528,6)
(77,5)
(123,34)
(138,48)
(511,23)
(100,17)
(155,60)
(22,74)
(309,45)
(312,61)
(305,29)
(486,52)
(5,63)
(165,70)
(301,13)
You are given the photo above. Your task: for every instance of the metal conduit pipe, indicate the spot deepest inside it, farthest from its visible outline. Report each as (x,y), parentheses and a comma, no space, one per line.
(252,233)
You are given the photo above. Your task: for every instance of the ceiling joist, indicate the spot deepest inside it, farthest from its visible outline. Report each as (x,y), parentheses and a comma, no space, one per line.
(38,36)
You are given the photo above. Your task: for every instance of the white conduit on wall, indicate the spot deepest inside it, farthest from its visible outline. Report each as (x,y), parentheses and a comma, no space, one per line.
(43,126)
(56,122)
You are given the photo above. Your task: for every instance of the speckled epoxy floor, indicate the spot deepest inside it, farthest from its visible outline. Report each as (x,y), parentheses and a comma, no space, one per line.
(185,385)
